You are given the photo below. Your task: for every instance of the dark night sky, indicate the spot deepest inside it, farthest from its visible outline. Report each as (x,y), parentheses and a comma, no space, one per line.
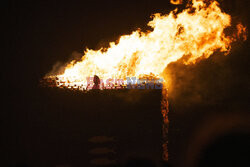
(40,33)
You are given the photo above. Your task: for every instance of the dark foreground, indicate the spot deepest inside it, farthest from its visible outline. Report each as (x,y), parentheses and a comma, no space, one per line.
(65,128)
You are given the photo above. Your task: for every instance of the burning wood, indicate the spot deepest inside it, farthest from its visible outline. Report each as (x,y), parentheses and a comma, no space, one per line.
(188,36)
(145,82)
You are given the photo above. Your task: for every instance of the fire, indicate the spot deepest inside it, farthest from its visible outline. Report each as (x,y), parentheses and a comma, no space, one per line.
(195,33)
(190,35)
(176,2)
(241,32)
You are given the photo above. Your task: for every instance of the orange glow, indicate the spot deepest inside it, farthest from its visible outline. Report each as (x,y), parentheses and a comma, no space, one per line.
(241,32)
(176,2)
(193,34)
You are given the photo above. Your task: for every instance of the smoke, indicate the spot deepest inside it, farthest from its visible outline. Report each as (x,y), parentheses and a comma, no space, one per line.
(59,67)
(209,82)
(195,84)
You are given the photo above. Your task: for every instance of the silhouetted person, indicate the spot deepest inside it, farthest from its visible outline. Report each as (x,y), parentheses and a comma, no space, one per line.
(96,82)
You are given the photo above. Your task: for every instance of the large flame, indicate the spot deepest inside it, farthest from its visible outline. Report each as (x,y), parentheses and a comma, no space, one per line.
(195,33)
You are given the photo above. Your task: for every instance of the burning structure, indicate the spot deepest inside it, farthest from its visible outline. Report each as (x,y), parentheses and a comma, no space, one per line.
(188,35)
